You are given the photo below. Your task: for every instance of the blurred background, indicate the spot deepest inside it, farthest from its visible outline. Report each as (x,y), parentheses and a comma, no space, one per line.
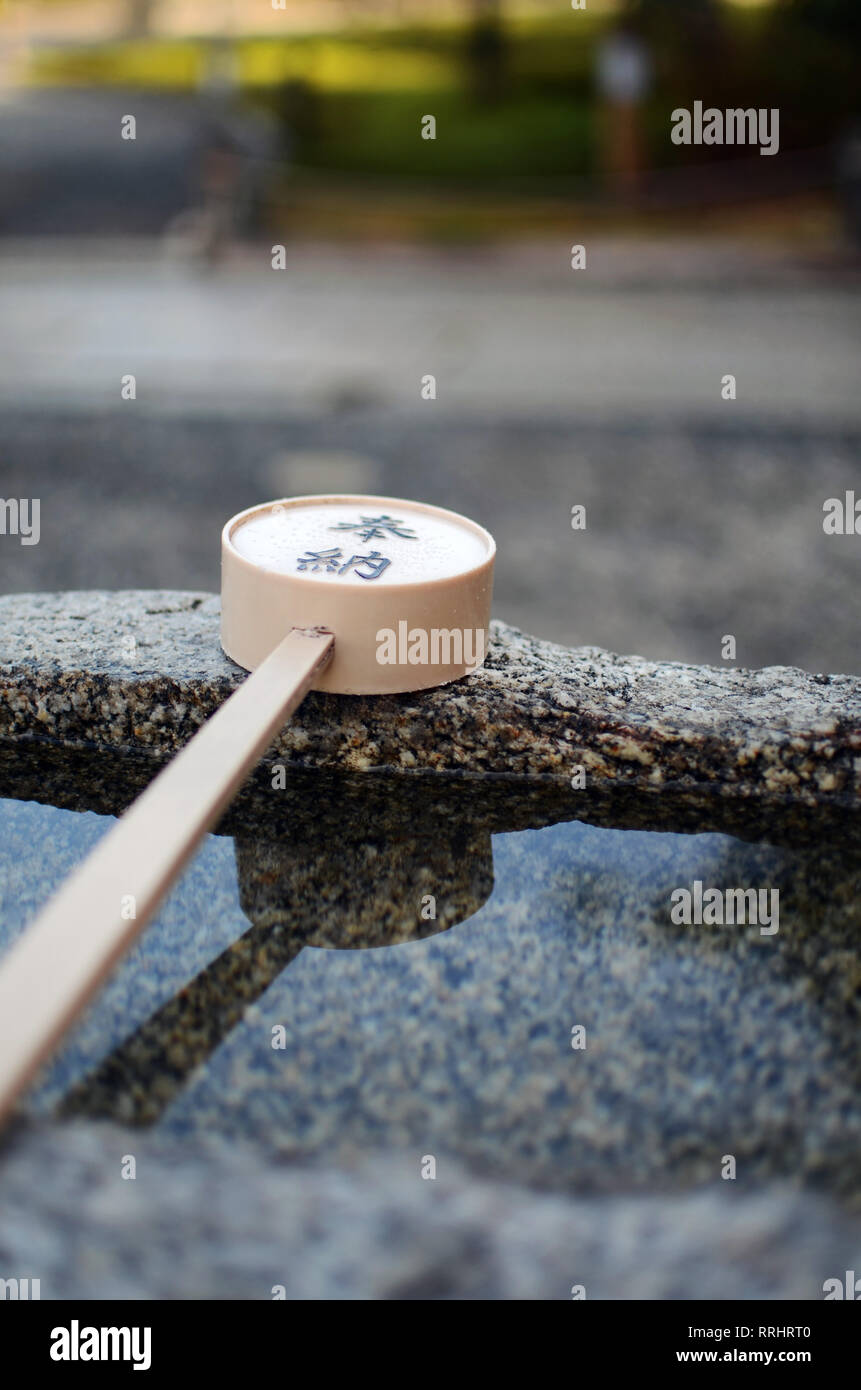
(304,125)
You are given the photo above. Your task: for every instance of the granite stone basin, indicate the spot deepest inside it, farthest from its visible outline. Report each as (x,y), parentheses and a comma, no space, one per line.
(142,669)
(294,1036)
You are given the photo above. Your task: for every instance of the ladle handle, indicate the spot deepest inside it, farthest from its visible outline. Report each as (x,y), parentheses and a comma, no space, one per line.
(49,976)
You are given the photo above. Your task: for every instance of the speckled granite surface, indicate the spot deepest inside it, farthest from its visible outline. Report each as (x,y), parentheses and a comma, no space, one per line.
(69,672)
(221,1223)
(300,1164)
(701,1041)
(107,781)
(452,1038)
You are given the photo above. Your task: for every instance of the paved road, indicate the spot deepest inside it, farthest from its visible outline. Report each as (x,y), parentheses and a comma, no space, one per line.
(521,334)
(692,531)
(704,517)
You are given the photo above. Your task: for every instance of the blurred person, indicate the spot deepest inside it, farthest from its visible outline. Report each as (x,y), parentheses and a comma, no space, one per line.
(624,72)
(203,233)
(221,187)
(237,159)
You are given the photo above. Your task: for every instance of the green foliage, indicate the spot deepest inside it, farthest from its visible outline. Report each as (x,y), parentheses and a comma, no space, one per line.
(354,101)
(535,136)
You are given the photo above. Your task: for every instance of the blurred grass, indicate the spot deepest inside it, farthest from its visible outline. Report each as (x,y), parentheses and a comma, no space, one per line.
(535,135)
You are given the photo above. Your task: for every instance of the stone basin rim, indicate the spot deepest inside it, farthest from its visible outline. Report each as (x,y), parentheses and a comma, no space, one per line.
(536,711)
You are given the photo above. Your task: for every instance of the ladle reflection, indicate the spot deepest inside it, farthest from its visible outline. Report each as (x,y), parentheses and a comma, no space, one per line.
(339,880)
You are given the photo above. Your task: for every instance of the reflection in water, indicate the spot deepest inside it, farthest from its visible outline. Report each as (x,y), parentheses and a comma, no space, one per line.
(701,1041)
(378,890)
